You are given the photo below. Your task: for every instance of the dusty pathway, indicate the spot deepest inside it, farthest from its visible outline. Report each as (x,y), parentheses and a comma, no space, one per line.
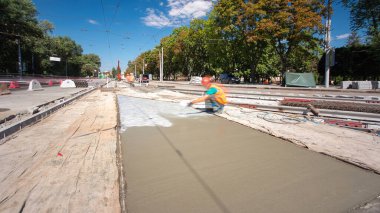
(178,161)
(65,163)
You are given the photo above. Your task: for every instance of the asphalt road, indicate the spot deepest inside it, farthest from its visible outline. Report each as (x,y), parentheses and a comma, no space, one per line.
(22,100)
(178,160)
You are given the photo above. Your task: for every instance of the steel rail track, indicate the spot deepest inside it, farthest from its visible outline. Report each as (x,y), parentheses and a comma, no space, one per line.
(366,118)
(8,130)
(277,97)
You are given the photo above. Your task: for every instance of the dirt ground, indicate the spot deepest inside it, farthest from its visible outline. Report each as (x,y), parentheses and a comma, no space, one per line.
(64,163)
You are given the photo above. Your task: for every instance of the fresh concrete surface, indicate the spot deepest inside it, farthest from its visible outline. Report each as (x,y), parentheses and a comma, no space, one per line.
(209,164)
(21,100)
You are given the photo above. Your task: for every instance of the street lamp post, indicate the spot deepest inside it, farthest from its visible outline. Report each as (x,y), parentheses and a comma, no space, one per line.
(143,66)
(135,71)
(19,58)
(327,45)
(66,68)
(161,56)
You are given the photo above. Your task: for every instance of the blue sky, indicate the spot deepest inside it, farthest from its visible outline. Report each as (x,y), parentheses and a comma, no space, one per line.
(122,29)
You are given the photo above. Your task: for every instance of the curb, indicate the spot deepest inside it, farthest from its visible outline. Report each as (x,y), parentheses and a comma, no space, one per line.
(9,130)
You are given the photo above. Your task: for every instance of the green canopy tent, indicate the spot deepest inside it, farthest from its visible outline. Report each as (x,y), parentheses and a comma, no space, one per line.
(299,79)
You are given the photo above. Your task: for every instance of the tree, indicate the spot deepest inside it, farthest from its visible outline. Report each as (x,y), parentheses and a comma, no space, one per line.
(69,51)
(288,26)
(90,65)
(18,23)
(227,37)
(365,14)
(353,40)
(250,38)
(114,72)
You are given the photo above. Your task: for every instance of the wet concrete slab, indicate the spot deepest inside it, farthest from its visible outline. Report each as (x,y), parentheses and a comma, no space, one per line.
(208,164)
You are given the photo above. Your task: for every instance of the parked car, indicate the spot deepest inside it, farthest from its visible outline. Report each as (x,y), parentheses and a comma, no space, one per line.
(227,78)
(195,80)
(145,79)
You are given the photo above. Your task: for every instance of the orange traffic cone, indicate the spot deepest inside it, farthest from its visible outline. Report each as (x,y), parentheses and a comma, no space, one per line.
(13,85)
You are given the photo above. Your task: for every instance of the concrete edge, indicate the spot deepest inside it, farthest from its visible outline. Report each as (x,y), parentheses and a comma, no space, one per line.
(8,131)
(368,207)
(119,162)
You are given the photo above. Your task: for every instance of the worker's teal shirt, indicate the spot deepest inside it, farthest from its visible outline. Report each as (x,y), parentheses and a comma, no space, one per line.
(211,91)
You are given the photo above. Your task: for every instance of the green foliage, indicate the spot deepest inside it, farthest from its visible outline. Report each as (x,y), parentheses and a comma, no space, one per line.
(255,39)
(365,14)
(114,72)
(353,40)
(90,65)
(18,22)
(355,63)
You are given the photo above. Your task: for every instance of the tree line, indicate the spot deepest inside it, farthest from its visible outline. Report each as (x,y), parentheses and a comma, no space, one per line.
(359,59)
(20,31)
(254,39)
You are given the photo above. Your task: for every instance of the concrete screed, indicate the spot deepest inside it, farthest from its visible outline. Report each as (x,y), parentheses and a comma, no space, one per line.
(195,162)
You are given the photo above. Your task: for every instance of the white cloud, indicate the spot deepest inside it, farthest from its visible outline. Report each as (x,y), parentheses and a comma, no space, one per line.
(156,19)
(343,36)
(189,9)
(179,11)
(91,21)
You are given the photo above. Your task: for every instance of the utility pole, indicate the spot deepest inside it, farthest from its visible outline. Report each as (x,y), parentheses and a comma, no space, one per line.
(33,63)
(162,65)
(159,58)
(19,58)
(66,68)
(135,71)
(327,44)
(143,65)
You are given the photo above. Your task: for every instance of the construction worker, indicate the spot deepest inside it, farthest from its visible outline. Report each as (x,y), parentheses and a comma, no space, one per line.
(214,98)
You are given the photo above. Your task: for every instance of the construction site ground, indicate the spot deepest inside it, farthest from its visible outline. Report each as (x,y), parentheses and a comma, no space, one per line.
(66,162)
(186,160)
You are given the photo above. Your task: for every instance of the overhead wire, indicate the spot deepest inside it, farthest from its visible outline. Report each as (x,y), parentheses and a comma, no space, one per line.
(114,15)
(180,22)
(105,23)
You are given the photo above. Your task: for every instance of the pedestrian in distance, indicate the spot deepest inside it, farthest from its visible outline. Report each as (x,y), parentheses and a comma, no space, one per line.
(214,98)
